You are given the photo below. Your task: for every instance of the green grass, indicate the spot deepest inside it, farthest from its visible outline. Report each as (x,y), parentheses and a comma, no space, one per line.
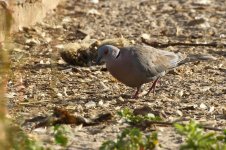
(60,135)
(197,139)
(129,116)
(132,139)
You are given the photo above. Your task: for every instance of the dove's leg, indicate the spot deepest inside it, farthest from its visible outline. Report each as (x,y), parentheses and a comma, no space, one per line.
(153,87)
(136,93)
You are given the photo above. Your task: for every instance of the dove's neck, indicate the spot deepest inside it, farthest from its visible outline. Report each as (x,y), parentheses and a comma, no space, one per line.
(115,53)
(114,56)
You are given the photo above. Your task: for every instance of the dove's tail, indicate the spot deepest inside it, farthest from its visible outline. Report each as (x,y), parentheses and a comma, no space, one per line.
(196,57)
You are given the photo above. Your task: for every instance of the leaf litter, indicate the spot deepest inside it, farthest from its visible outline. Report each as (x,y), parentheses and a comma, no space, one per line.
(193,91)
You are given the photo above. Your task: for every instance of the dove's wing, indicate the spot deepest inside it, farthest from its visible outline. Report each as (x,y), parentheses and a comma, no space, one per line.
(153,61)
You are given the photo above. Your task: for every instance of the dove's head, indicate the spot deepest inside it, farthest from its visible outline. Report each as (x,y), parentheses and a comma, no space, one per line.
(107,53)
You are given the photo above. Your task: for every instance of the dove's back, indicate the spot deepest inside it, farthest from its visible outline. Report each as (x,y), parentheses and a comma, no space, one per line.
(141,64)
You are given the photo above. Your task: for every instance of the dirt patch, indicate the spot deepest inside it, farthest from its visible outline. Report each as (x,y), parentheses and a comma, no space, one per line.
(41,81)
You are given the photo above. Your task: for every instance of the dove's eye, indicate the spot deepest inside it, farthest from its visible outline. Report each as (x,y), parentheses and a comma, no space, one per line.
(105,51)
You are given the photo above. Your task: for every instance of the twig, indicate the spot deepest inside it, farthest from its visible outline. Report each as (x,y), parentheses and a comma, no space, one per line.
(148,123)
(33,102)
(212,128)
(163,45)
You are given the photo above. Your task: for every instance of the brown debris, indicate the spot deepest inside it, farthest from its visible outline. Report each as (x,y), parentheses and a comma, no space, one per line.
(62,116)
(85,53)
(77,54)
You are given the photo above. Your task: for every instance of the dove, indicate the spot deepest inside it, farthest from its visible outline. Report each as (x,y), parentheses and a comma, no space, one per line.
(139,64)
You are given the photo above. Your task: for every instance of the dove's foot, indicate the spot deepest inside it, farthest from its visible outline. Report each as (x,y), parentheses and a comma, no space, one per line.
(152,88)
(135,96)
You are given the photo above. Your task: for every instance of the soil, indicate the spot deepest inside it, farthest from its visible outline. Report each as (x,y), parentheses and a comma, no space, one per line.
(40,80)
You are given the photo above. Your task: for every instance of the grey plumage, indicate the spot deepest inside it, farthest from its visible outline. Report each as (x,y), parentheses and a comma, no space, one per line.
(139,64)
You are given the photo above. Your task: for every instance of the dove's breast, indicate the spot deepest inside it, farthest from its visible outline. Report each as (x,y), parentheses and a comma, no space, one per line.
(126,70)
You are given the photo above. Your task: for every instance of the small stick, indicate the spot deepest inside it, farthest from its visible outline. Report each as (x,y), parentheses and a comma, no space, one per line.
(163,45)
(172,123)
(33,102)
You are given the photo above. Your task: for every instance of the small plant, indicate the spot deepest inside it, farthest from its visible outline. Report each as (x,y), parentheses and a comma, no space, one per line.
(197,139)
(19,140)
(31,144)
(60,135)
(132,139)
(128,115)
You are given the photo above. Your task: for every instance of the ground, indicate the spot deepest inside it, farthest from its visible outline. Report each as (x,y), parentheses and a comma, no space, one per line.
(40,80)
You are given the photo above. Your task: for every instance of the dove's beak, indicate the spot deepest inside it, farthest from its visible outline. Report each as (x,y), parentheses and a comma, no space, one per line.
(98,59)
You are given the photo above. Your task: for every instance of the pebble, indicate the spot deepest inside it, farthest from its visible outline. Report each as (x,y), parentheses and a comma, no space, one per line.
(100,103)
(90,104)
(203,106)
